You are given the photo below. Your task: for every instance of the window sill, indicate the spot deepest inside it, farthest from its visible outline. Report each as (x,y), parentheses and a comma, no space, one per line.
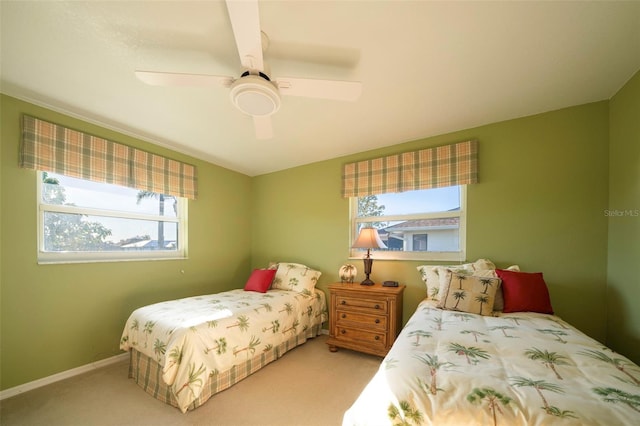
(420,256)
(59,260)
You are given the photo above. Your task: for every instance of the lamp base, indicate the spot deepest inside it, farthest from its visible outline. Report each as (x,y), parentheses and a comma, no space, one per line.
(367,281)
(368,262)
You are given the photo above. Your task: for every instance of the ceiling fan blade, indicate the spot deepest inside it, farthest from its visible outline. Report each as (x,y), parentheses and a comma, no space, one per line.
(323,89)
(157,78)
(264,129)
(245,21)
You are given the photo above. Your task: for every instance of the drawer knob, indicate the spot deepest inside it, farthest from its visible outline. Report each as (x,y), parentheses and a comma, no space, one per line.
(377,306)
(377,320)
(344,302)
(345,332)
(377,337)
(344,315)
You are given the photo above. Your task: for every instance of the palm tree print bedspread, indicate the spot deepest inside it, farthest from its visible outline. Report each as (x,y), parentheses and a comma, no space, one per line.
(455,368)
(195,337)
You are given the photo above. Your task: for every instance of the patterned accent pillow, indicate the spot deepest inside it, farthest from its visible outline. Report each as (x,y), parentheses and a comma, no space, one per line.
(498,304)
(469,293)
(296,277)
(433,278)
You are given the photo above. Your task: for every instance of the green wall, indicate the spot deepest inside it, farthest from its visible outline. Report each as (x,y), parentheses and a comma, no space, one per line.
(623,292)
(61,316)
(539,204)
(546,182)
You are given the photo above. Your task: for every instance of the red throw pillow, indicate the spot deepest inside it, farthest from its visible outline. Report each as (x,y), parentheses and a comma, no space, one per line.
(524,292)
(260,280)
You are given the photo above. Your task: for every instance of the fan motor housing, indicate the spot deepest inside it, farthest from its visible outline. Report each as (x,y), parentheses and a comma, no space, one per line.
(255,95)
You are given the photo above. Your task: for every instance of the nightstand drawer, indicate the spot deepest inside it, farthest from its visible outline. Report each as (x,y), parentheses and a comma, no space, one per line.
(370,338)
(373,305)
(358,319)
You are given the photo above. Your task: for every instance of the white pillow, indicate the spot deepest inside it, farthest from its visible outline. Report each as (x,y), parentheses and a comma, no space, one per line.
(483,265)
(274,265)
(431,281)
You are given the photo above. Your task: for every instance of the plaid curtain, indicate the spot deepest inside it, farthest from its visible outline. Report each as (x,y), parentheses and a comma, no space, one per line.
(448,165)
(53,148)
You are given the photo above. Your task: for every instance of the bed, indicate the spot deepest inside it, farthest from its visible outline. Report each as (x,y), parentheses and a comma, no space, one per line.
(451,366)
(184,351)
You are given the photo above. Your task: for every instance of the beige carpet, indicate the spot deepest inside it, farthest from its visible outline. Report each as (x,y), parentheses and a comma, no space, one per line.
(307,386)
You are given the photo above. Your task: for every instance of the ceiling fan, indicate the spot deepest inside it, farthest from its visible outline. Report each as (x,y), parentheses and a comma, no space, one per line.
(254,92)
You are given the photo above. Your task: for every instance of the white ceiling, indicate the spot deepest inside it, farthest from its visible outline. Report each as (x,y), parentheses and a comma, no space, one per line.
(427,68)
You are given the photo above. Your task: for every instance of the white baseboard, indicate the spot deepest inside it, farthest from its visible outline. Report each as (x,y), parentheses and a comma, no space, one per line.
(8,393)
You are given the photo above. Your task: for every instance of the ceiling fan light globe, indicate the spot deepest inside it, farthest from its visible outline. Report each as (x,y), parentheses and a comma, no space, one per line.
(255,96)
(255,103)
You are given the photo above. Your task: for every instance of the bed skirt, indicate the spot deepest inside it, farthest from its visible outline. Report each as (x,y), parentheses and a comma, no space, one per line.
(147,373)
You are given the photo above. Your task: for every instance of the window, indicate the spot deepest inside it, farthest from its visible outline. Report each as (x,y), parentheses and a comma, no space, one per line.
(426,224)
(81,221)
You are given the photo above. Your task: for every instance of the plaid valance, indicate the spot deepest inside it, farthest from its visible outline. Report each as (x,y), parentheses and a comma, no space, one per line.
(448,165)
(53,148)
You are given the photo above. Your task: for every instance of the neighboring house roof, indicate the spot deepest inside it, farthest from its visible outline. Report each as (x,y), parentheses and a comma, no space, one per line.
(137,244)
(149,244)
(423,225)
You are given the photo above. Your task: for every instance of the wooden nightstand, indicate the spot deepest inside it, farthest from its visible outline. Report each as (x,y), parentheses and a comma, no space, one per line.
(364,318)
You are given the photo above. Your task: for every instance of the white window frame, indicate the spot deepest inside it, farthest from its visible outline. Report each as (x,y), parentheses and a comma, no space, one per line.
(45,257)
(457,256)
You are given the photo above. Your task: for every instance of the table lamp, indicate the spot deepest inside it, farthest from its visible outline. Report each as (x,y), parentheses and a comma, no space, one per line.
(368,239)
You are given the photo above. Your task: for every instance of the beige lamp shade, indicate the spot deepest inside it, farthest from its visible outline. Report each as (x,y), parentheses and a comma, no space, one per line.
(368,239)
